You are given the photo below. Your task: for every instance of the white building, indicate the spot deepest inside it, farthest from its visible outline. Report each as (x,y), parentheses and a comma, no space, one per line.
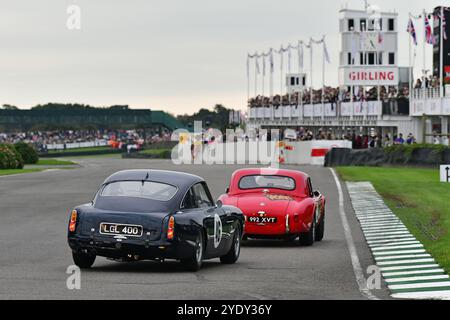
(368,59)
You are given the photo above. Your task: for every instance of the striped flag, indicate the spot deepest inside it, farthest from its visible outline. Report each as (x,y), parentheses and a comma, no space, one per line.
(428,31)
(412,31)
(444,25)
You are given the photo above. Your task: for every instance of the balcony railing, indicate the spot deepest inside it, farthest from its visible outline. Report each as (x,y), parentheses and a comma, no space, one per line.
(328,110)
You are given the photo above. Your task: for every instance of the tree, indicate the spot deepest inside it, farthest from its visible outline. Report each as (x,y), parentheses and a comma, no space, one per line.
(9,107)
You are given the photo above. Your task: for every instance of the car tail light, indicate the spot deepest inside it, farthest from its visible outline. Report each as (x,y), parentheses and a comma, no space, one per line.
(73,221)
(171,228)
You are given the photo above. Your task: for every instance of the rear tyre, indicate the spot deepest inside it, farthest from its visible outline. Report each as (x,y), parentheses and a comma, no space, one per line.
(233,255)
(307,239)
(195,262)
(83,260)
(320,229)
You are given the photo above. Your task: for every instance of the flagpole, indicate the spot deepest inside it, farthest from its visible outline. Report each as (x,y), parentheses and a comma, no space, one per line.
(271,76)
(323,73)
(256,74)
(248,78)
(410,59)
(311,75)
(263,75)
(281,75)
(424,44)
(441,57)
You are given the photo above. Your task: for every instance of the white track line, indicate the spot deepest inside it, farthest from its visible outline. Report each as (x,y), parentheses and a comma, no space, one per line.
(419,285)
(357,269)
(406,256)
(398,252)
(422,266)
(405,273)
(389,241)
(417,278)
(410,261)
(408,246)
(394,243)
(438,295)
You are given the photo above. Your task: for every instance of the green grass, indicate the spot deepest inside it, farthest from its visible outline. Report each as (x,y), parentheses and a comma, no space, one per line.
(8,172)
(54,162)
(111,155)
(418,198)
(154,151)
(90,149)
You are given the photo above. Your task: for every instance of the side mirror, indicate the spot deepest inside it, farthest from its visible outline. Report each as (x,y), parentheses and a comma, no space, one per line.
(227,190)
(316,194)
(219,204)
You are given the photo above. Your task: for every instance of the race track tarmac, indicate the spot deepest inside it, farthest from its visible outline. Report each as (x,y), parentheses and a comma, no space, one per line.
(34,254)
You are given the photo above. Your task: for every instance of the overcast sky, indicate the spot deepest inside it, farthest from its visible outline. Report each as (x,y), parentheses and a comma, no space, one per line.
(172,55)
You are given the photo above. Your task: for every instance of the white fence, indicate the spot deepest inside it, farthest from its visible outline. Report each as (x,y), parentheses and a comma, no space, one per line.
(261,152)
(75,145)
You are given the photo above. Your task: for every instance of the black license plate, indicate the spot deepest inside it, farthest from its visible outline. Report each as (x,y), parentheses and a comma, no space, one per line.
(116,229)
(262,220)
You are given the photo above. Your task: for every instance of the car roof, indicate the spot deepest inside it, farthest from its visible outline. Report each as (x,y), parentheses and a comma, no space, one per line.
(178,179)
(271,171)
(299,177)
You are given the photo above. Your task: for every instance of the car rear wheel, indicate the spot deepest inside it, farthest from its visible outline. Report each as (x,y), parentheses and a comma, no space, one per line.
(307,239)
(195,262)
(320,229)
(83,260)
(233,255)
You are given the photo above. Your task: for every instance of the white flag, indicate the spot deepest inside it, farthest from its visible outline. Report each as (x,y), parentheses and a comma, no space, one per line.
(258,71)
(289,58)
(264,64)
(300,55)
(248,65)
(271,61)
(325,52)
(281,59)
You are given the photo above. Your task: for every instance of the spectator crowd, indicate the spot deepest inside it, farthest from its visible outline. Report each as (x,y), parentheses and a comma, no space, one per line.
(331,95)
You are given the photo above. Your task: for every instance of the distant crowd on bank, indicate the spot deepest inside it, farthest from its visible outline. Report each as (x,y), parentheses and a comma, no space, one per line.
(57,137)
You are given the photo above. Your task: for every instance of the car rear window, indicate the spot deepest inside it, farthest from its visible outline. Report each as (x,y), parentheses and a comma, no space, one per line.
(267,182)
(140,189)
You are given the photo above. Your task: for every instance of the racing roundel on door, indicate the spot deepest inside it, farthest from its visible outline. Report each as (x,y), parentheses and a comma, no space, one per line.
(217,231)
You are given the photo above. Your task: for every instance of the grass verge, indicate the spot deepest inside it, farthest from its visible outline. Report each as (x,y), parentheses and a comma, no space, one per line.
(418,198)
(9,172)
(54,162)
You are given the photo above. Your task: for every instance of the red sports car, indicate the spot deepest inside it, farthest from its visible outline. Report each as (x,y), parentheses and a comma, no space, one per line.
(277,204)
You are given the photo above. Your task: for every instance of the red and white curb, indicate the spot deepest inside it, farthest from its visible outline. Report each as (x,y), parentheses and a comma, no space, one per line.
(409,271)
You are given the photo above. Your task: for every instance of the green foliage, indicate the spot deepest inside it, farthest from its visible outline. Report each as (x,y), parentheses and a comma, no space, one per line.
(218,118)
(9,107)
(405,152)
(28,153)
(10,158)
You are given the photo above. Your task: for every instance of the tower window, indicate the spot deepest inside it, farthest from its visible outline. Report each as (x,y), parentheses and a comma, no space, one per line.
(391,58)
(351,24)
(391,24)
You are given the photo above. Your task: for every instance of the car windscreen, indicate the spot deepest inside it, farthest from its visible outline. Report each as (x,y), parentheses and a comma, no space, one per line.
(140,189)
(267,182)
